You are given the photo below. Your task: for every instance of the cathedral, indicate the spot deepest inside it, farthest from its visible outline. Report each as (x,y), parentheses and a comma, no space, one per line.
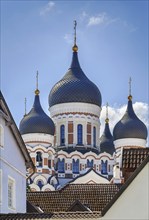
(68,144)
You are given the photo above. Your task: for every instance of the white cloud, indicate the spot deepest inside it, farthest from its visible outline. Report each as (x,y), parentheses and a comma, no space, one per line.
(97,20)
(68,38)
(101,19)
(83,16)
(48,7)
(115,114)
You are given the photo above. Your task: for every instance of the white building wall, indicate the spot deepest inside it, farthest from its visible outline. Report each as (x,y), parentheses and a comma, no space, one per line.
(134,201)
(12,163)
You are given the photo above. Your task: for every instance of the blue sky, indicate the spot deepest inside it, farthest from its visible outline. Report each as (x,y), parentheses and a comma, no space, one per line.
(112,37)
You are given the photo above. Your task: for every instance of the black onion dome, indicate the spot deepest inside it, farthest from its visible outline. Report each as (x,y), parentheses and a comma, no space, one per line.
(106,141)
(36,121)
(130,126)
(75,87)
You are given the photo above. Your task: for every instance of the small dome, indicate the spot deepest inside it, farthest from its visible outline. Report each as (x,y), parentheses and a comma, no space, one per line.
(106,140)
(75,87)
(130,126)
(36,121)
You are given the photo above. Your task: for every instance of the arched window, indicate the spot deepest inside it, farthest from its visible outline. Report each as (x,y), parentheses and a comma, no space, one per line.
(38,159)
(50,161)
(61,165)
(90,163)
(80,134)
(1,136)
(40,183)
(75,166)
(62,135)
(104,166)
(94,136)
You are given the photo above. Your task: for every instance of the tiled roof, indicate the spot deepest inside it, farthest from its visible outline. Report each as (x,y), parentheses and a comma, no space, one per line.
(59,215)
(93,196)
(25,216)
(76,215)
(133,157)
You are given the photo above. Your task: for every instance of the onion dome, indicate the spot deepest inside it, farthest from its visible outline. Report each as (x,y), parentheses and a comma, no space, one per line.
(106,140)
(36,121)
(130,126)
(75,86)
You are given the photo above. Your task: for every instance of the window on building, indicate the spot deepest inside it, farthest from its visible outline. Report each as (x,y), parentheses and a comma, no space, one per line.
(94,136)
(75,166)
(88,133)
(90,163)
(62,135)
(40,184)
(70,132)
(38,159)
(80,134)
(50,161)
(104,166)
(11,193)
(61,165)
(1,136)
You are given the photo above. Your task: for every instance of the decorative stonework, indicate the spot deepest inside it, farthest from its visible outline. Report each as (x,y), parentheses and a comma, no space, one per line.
(70,108)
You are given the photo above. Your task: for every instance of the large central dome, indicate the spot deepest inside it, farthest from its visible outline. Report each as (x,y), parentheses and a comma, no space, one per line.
(75,87)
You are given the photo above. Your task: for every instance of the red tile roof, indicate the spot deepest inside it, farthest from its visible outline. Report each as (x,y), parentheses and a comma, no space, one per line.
(93,196)
(133,157)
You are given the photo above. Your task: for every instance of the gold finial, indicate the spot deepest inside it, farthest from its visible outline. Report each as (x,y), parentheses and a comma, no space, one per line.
(37,90)
(75,47)
(25,101)
(130,96)
(107,119)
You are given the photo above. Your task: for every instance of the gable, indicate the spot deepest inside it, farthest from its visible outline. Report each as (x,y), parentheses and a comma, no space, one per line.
(91,177)
(77,206)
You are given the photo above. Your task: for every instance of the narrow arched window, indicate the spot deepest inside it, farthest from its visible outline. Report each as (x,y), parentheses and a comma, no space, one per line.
(1,136)
(50,161)
(104,167)
(94,136)
(75,166)
(61,165)
(90,163)
(40,183)
(62,135)
(38,159)
(80,134)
